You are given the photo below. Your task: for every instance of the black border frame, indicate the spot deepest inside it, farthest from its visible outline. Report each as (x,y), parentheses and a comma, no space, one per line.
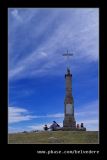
(31,151)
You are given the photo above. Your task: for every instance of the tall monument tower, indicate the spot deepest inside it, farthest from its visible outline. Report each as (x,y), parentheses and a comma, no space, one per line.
(69,119)
(69,122)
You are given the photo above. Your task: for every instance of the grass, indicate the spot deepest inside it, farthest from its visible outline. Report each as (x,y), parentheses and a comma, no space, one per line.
(67,137)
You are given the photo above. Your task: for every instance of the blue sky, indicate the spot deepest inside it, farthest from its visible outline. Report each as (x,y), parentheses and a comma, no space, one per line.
(37,38)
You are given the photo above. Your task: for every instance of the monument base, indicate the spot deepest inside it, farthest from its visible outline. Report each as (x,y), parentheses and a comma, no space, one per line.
(69,122)
(73,129)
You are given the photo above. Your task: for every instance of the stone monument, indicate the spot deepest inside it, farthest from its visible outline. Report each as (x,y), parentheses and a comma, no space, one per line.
(69,122)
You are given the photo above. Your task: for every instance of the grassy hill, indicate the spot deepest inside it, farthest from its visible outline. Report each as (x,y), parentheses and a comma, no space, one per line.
(69,137)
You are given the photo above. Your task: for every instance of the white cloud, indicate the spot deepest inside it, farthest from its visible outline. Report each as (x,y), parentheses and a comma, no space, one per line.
(91,124)
(17,114)
(37,126)
(91,107)
(20,15)
(67,34)
(87,114)
(16,15)
(17,129)
(57,115)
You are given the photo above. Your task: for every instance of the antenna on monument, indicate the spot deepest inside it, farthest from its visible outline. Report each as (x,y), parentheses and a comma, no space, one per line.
(67,55)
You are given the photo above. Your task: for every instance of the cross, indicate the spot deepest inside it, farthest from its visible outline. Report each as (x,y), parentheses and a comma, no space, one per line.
(68,54)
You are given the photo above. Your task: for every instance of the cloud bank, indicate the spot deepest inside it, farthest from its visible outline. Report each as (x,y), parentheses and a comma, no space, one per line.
(88,115)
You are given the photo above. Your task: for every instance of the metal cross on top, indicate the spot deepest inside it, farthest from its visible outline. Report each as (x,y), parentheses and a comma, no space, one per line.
(68,54)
